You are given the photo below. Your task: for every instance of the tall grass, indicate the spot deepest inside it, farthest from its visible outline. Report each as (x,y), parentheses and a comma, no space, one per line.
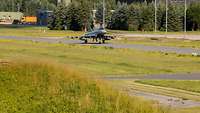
(37,86)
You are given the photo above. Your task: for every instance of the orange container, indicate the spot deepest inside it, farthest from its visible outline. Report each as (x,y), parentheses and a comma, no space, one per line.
(29,19)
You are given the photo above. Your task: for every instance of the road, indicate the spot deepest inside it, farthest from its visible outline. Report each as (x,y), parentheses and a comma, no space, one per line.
(167,100)
(164,49)
(189,37)
(192,76)
(174,102)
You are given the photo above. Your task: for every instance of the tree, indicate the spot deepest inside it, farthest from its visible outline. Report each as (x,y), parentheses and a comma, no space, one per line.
(58,19)
(85,15)
(75,16)
(147,21)
(78,18)
(161,20)
(175,18)
(134,16)
(194,16)
(119,18)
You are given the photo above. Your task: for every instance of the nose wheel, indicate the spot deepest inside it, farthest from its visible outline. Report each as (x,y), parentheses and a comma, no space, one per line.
(103,41)
(86,41)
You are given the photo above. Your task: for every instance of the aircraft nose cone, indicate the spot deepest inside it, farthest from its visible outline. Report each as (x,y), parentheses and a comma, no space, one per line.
(104,31)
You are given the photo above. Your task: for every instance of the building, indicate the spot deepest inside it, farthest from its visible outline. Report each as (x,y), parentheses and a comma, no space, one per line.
(10,17)
(43,16)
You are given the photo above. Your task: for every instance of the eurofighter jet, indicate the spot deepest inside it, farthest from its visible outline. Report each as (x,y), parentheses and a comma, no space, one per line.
(98,35)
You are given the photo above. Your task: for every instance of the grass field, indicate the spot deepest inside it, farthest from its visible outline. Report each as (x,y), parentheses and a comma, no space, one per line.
(35,31)
(103,60)
(38,86)
(92,60)
(160,42)
(192,85)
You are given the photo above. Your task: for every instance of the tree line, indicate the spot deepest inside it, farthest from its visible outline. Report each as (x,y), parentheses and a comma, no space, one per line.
(133,17)
(77,15)
(142,17)
(120,14)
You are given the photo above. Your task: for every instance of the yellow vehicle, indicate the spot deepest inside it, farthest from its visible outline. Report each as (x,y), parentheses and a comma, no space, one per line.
(29,20)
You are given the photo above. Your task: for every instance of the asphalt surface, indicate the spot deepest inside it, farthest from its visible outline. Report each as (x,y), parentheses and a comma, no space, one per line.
(189,37)
(192,76)
(164,49)
(165,100)
(42,39)
(173,102)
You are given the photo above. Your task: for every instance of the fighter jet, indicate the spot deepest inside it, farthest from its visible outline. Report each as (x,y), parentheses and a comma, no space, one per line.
(98,35)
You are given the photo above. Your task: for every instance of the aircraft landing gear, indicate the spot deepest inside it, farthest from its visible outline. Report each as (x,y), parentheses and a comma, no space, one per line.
(86,41)
(103,41)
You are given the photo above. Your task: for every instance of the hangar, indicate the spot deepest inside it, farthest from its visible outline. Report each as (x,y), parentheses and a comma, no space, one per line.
(10,17)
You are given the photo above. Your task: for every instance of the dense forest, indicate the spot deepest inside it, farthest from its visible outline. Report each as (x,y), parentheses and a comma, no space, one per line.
(134,16)
(30,7)
(120,14)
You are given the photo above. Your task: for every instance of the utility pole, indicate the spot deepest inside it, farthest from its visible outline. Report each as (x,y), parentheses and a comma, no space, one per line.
(18,7)
(166,26)
(13,6)
(104,8)
(185,20)
(155,15)
(58,1)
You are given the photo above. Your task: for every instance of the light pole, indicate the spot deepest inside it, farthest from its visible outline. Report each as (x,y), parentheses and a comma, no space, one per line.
(185,20)
(166,26)
(104,8)
(18,7)
(94,18)
(155,15)
(13,6)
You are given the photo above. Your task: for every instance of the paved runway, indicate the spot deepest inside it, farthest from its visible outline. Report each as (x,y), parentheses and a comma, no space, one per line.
(189,37)
(191,76)
(165,49)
